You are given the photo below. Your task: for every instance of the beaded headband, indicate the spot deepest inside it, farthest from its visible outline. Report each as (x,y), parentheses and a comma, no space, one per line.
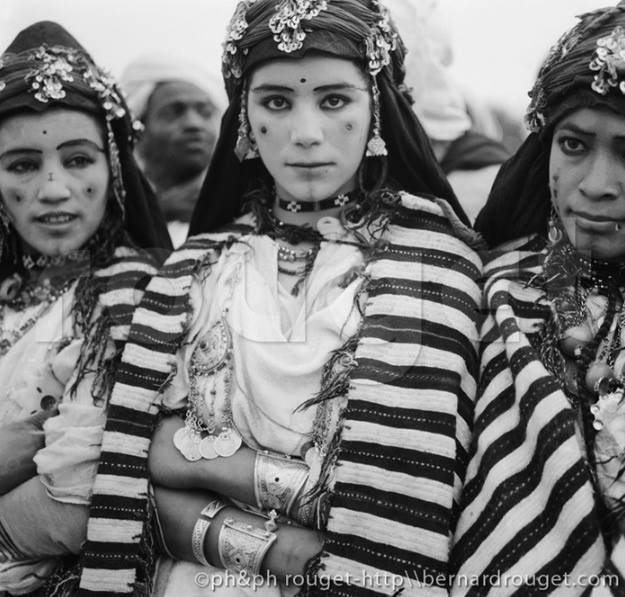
(289,33)
(607,62)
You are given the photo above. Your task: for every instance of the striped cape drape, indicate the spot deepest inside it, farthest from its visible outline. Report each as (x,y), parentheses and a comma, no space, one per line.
(123,282)
(405,433)
(528,524)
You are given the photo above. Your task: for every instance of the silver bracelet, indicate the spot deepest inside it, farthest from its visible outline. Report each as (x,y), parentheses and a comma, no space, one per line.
(242,547)
(201,528)
(278,481)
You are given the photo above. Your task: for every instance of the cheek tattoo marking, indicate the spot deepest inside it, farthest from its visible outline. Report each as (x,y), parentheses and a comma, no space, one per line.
(554,190)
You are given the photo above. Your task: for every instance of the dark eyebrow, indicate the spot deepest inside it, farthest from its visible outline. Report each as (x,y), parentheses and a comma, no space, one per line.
(573,128)
(322,88)
(74,142)
(268,87)
(339,87)
(20,151)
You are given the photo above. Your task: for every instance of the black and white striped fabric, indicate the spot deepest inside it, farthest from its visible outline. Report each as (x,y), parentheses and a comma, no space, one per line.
(123,281)
(405,432)
(528,523)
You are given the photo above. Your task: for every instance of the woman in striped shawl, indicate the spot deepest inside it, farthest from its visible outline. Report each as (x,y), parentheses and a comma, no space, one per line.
(542,508)
(75,219)
(315,358)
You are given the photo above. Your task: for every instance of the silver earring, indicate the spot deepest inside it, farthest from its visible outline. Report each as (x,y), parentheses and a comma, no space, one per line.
(554,232)
(245,148)
(376,147)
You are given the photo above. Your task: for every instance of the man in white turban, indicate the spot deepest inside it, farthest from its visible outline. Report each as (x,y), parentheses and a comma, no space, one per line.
(180,106)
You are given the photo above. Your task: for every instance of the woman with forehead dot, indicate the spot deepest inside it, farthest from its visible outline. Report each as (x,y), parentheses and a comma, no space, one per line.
(542,507)
(312,345)
(79,237)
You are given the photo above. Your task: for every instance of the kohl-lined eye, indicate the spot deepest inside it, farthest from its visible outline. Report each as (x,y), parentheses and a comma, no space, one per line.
(571,145)
(335,102)
(80,160)
(23,166)
(275,103)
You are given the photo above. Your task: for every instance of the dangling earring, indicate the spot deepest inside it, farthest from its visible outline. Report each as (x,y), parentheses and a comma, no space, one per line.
(245,147)
(376,147)
(554,232)
(119,191)
(5,230)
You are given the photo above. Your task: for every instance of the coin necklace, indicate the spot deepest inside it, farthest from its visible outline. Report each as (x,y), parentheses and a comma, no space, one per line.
(210,366)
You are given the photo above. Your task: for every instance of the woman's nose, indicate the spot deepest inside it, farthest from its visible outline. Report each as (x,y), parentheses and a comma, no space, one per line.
(604,178)
(53,188)
(306,129)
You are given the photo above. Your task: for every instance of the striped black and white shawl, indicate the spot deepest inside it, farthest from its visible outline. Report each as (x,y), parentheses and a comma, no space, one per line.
(529,521)
(403,438)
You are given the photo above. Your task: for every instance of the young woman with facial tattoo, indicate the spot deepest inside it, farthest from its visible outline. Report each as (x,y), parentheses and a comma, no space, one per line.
(76,219)
(543,499)
(313,343)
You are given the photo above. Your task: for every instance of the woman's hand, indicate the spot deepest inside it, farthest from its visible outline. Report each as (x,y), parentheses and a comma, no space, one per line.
(19,442)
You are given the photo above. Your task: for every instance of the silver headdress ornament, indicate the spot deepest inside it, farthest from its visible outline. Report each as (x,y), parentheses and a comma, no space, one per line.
(289,33)
(54,67)
(609,62)
(286,24)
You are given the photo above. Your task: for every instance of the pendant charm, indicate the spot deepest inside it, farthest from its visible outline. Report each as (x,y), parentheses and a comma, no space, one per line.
(227,443)
(575,338)
(207,448)
(595,373)
(187,444)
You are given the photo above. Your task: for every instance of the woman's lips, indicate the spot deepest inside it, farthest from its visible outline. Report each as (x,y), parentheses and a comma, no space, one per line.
(597,223)
(56,219)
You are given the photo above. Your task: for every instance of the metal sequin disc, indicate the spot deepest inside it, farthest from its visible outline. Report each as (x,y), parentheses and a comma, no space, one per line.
(186,444)
(207,448)
(227,443)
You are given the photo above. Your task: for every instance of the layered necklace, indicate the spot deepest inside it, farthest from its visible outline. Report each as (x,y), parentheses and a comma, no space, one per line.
(293,261)
(583,344)
(42,281)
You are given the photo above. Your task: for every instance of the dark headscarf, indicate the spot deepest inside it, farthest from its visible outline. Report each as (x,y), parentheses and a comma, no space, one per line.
(45,67)
(341,28)
(583,70)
